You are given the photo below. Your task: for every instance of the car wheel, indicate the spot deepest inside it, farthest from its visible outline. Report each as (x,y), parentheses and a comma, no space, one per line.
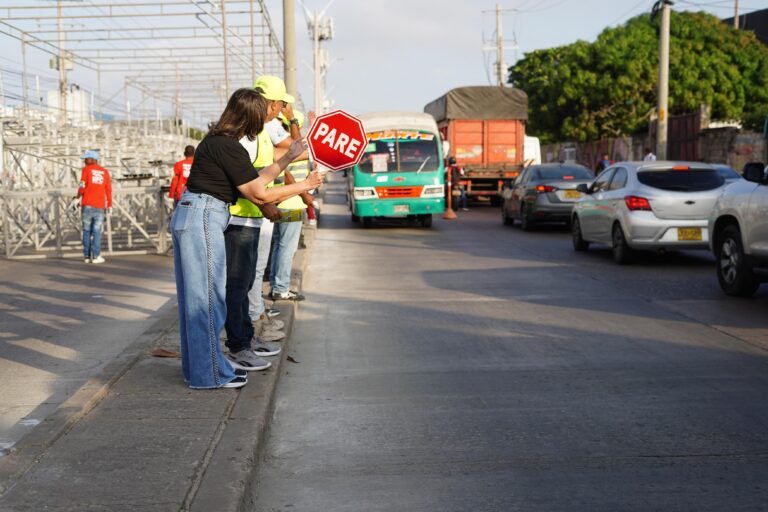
(526,223)
(579,244)
(622,252)
(506,219)
(733,269)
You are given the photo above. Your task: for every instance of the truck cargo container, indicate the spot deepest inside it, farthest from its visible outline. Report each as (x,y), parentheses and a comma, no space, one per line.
(485,129)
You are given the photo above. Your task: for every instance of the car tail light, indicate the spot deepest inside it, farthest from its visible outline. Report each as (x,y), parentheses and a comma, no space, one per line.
(635,203)
(681,168)
(567,177)
(545,188)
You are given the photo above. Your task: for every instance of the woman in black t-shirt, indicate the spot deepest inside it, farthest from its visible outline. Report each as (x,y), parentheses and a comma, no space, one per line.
(221,172)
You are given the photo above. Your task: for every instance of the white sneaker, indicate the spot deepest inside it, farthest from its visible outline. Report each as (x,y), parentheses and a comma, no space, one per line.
(87,260)
(99,259)
(312,222)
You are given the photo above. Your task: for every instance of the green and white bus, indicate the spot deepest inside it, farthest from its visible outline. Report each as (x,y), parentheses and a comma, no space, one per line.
(401,173)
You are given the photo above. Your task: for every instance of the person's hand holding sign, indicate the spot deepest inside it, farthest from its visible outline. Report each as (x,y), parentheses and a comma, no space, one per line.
(314,180)
(270,211)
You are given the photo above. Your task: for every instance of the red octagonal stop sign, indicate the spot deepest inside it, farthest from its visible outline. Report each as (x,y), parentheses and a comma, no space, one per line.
(337,140)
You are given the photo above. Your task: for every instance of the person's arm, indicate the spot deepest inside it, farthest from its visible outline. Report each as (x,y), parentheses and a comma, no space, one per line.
(305,196)
(295,131)
(108,189)
(81,188)
(174,181)
(257,192)
(282,148)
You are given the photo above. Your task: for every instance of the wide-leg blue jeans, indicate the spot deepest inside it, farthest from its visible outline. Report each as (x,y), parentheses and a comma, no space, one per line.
(200,266)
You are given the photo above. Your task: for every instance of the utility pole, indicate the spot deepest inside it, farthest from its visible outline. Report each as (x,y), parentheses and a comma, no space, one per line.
(320,29)
(736,14)
(253,48)
(24,68)
(289,43)
(62,66)
(500,66)
(226,52)
(661,132)
(498,46)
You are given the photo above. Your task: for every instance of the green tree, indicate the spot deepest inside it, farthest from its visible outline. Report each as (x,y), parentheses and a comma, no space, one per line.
(589,91)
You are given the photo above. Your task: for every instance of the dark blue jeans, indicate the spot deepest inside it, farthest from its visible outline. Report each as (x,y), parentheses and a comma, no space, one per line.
(241,244)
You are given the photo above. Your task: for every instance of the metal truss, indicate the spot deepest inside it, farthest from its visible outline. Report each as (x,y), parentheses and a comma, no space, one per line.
(161,69)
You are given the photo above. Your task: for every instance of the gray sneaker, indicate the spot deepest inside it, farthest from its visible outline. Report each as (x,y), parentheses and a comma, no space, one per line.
(264,349)
(247,360)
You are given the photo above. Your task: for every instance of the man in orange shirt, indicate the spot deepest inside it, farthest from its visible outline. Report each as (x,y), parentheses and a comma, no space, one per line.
(96,193)
(180,175)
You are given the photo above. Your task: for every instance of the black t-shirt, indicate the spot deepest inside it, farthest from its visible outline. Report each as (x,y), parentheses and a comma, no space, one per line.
(221,164)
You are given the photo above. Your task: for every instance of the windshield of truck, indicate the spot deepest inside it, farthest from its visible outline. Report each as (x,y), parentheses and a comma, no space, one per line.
(400,151)
(682,179)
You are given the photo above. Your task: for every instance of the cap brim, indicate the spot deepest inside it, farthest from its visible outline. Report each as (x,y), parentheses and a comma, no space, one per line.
(288,98)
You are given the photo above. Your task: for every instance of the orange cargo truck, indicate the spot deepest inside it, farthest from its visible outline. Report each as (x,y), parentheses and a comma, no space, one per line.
(485,129)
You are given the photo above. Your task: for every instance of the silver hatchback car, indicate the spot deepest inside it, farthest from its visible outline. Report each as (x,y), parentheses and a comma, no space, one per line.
(647,206)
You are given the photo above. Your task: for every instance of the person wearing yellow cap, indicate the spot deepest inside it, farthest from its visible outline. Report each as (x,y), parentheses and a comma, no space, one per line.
(248,343)
(285,238)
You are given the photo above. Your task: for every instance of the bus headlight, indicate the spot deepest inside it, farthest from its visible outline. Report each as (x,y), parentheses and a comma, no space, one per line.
(433,191)
(364,193)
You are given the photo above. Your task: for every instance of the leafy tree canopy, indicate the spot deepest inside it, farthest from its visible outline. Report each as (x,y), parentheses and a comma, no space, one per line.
(590,91)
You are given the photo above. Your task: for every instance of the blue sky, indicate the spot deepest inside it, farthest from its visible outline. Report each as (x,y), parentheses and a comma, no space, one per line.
(401,54)
(386,54)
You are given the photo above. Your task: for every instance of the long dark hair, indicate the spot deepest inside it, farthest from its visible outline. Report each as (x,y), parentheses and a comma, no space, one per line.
(243,116)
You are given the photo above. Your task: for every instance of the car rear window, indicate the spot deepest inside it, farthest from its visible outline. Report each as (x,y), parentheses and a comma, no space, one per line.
(559,173)
(689,180)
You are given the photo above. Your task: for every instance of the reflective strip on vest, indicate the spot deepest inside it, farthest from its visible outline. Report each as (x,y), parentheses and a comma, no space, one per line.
(265,155)
(299,170)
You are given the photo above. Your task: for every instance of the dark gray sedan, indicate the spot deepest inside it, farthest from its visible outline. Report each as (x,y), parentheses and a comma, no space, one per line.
(544,192)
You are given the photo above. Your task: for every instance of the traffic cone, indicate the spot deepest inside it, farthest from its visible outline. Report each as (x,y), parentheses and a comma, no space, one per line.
(449,213)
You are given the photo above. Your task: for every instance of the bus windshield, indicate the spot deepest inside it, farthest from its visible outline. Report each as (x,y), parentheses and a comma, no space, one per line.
(400,151)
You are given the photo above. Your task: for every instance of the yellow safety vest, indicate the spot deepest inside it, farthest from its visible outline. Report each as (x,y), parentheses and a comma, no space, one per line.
(299,170)
(265,155)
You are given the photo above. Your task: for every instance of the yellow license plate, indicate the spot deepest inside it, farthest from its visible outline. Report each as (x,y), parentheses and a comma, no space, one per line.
(689,233)
(572,194)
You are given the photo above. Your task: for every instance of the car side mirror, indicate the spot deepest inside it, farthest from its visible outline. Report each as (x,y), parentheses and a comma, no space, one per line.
(583,188)
(754,172)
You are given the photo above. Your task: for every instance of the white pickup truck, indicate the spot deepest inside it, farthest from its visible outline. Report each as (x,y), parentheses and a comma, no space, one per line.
(739,227)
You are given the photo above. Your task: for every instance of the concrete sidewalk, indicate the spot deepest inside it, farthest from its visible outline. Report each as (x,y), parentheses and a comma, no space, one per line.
(137,439)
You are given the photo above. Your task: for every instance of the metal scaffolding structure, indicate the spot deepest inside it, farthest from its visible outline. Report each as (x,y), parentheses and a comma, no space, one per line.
(133,79)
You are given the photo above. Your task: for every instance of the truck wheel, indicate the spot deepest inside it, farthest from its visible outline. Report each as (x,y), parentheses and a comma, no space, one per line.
(622,252)
(367,222)
(426,221)
(733,269)
(495,201)
(579,244)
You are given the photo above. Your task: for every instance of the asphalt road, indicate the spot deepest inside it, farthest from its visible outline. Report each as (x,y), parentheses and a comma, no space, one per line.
(476,367)
(62,321)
